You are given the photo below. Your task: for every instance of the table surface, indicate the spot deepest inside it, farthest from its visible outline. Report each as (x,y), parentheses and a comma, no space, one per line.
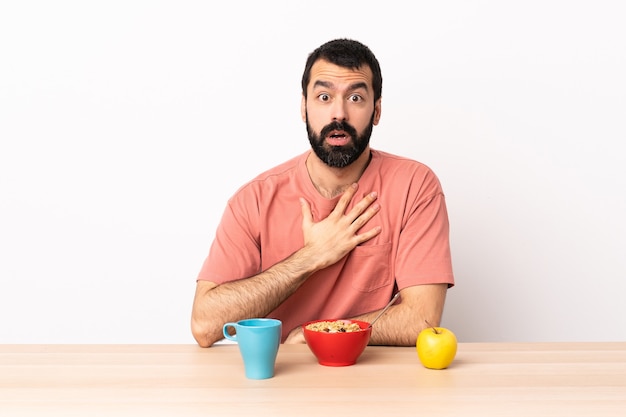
(486,379)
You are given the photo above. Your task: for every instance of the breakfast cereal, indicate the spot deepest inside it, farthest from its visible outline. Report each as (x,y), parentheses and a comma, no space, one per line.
(336,326)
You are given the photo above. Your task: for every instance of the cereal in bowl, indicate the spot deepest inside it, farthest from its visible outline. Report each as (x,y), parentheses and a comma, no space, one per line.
(336,326)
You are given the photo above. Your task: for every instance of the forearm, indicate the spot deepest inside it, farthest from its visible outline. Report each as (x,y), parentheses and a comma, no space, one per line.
(401,323)
(256,296)
(397,327)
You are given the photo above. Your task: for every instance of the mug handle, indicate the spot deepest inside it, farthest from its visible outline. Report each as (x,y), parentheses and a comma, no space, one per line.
(228,335)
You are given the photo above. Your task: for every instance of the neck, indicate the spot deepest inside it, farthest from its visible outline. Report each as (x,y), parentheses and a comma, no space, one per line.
(330,181)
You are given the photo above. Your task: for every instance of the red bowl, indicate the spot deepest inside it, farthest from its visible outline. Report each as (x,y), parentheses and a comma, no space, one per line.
(337,349)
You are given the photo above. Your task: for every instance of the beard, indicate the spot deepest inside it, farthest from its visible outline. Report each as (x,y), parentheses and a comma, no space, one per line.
(339,156)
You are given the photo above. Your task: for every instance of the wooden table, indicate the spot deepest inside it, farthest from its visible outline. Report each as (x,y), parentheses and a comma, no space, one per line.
(490,379)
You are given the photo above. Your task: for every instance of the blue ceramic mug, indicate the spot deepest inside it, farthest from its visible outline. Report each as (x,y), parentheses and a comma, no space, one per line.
(258,341)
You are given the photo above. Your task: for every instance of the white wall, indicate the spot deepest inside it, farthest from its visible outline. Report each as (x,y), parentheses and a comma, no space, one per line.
(125,126)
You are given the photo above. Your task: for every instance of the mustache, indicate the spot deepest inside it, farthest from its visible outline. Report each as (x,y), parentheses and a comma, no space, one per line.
(345,126)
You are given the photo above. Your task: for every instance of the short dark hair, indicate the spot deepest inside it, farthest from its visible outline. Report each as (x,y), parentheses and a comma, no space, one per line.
(345,53)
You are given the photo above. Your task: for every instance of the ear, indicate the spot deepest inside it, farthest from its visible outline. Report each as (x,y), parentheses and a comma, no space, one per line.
(303,108)
(377,110)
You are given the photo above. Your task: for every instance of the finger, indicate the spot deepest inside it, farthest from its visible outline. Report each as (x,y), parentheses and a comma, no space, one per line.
(362,206)
(345,199)
(365,236)
(365,217)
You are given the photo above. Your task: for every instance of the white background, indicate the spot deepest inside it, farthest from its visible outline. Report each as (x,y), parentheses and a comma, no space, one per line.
(125,126)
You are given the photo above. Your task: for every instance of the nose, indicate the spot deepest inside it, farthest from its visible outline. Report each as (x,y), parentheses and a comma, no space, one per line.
(339,111)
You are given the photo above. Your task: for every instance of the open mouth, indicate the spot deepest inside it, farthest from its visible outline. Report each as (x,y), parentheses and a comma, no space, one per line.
(338,138)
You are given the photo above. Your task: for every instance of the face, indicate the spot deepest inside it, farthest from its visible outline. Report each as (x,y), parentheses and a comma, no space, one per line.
(339,112)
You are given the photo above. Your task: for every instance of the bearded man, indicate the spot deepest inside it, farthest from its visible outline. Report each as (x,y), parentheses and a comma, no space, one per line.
(334,232)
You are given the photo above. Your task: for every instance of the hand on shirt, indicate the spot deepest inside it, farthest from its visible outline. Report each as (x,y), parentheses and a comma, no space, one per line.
(335,236)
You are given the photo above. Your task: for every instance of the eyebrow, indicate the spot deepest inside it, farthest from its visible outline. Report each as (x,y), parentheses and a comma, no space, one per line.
(327,84)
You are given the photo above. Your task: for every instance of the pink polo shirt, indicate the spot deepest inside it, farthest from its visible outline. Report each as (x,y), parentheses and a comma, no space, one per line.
(262,225)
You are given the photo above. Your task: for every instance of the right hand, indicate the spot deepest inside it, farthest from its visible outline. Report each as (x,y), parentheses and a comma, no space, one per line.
(332,238)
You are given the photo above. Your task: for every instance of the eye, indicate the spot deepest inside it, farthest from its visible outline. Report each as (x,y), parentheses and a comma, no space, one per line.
(355,98)
(323,97)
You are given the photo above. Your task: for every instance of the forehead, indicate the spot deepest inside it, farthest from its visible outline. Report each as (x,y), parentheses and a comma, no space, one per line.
(326,72)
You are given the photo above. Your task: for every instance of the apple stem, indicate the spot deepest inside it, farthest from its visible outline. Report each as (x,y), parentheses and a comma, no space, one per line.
(432,327)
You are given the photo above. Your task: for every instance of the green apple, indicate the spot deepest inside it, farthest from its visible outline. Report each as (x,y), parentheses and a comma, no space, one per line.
(436,347)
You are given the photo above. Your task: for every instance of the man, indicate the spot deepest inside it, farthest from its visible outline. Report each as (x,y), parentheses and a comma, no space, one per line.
(335,232)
